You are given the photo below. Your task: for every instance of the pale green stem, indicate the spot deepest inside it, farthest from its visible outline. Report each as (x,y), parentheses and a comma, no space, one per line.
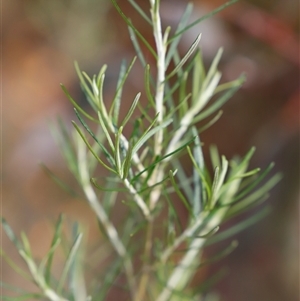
(160,42)
(139,201)
(182,273)
(40,281)
(188,118)
(157,175)
(102,216)
(161,48)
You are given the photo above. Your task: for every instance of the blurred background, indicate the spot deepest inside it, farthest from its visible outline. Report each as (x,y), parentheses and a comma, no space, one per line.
(42,39)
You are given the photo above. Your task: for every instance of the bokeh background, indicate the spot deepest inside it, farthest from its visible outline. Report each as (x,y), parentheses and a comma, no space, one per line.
(40,41)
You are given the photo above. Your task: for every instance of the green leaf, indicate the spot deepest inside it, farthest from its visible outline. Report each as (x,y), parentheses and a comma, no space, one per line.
(74,103)
(63,139)
(182,107)
(54,243)
(198,76)
(173,214)
(241,167)
(136,46)
(214,156)
(147,86)
(113,271)
(154,185)
(140,11)
(131,110)
(209,123)
(14,266)
(221,100)
(92,134)
(240,226)
(254,183)
(91,149)
(159,159)
(202,176)
(182,77)
(69,261)
(10,234)
(100,83)
(121,81)
(182,23)
(183,180)
(198,195)
(180,194)
(146,136)
(186,57)
(209,283)
(58,181)
(215,11)
(117,158)
(127,161)
(129,23)
(103,123)
(26,245)
(213,68)
(255,196)
(103,188)
(214,191)
(86,89)
(232,246)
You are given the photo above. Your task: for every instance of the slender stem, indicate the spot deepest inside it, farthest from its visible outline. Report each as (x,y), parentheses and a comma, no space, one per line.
(161,48)
(147,255)
(161,55)
(180,276)
(103,218)
(157,176)
(139,201)
(49,293)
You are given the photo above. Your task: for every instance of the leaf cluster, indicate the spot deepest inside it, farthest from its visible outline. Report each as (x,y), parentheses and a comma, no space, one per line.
(156,250)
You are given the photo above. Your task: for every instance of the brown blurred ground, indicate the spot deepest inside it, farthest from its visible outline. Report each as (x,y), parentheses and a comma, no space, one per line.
(41,39)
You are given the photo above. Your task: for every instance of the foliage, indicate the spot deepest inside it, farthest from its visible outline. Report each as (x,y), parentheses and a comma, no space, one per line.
(157,252)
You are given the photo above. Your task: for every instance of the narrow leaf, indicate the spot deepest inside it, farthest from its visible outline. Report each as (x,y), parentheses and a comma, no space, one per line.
(215,11)
(74,103)
(131,110)
(161,159)
(107,154)
(62,137)
(140,11)
(239,227)
(71,257)
(86,89)
(149,134)
(179,193)
(10,234)
(54,242)
(202,176)
(14,266)
(186,57)
(256,195)
(217,104)
(58,181)
(136,46)
(182,23)
(117,158)
(129,23)
(147,86)
(253,184)
(91,149)
(122,79)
